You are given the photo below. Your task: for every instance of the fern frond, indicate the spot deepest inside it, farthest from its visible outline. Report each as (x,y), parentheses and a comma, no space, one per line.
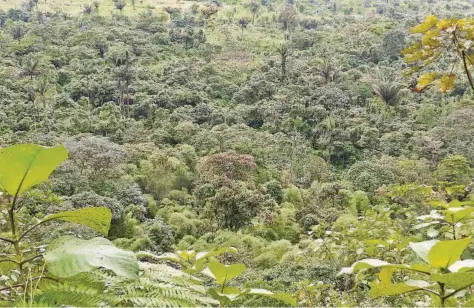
(158,286)
(161,285)
(69,296)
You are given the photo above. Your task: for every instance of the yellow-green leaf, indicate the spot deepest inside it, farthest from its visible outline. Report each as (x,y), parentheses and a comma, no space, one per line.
(427,24)
(25,165)
(444,24)
(431,38)
(445,253)
(413,57)
(411,49)
(224,273)
(425,80)
(386,274)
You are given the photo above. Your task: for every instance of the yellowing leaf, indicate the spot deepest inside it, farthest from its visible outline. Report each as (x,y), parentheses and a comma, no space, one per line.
(425,80)
(413,57)
(431,59)
(431,38)
(444,24)
(447,82)
(411,49)
(412,70)
(427,24)
(445,253)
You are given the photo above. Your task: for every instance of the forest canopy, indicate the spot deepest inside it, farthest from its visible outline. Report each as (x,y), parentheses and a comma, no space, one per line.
(236,153)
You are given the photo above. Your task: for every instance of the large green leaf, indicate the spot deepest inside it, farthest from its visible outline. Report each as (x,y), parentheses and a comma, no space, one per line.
(445,253)
(68,256)
(25,165)
(423,248)
(457,281)
(97,218)
(224,273)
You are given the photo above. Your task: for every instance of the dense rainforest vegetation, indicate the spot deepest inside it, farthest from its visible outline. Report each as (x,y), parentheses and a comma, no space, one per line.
(236,153)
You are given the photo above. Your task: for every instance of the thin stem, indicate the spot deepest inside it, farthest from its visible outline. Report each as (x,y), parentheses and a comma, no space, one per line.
(16,243)
(223,284)
(453,293)
(454,231)
(430,291)
(442,296)
(11,215)
(463,57)
(29,230)
(30,259)
(466,69)
(20,285)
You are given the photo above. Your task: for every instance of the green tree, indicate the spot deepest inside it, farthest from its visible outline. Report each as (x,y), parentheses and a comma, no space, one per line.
(455,170)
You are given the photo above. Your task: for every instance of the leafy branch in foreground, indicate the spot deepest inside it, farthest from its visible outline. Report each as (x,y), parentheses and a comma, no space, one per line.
(445,273)
(206,263)
(450,219)
(24,260)
(452,38)
(191,261)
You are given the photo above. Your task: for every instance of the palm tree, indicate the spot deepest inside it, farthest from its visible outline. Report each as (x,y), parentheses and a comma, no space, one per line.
(386,88)
(329,71)
(30,67)
(18,31)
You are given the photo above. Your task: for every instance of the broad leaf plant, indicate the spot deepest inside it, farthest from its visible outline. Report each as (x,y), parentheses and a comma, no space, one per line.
(444,273)
(24,262)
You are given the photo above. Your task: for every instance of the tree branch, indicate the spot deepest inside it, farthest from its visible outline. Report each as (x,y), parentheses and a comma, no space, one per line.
(466,69)
(7,240)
